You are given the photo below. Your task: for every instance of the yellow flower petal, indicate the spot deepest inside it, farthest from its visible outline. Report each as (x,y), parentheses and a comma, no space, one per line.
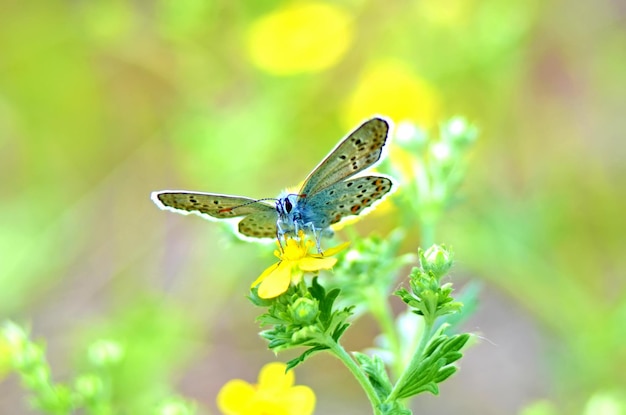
(273,376)
(300,399)
(294,250)
(236,397)
(295,259)
(264,274)
(311,264)
(273,395)
(276,282)
(336,249)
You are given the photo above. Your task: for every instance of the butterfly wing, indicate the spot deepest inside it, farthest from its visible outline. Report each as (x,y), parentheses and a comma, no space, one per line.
(214,205)
(345,198)
(358,151)
(259,225)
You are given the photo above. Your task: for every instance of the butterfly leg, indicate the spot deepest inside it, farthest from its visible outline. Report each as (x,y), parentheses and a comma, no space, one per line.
(318,241)
(280,235)
(317,234)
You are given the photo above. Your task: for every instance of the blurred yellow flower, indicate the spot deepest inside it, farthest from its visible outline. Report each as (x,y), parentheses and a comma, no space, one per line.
(295,259)
(273,395)
(300,37)
(5,357)
(392,89)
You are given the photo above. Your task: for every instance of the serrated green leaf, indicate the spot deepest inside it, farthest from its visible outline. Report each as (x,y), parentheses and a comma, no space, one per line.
(326,305)
(453,356)
(459,340)
(338,332)
(316,290)
(374,368)
(435,344)
(277,343)
(305,355)
(417,389)
(445,373)
(393,408)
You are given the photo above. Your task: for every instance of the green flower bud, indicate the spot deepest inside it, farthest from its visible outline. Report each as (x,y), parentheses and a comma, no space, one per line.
(436,260)
(175,407)
(89,386)
(410,137)
(37,376)
(14,335)
(105,353)
(28,357)
(304,311)
(605,403)
(304,334)
(458,132)
(442,152)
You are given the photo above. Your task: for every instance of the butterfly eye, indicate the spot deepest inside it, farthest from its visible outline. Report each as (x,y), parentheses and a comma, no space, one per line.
(288,206)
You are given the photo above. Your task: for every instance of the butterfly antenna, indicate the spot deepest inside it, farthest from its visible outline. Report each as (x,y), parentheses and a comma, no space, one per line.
(245,204)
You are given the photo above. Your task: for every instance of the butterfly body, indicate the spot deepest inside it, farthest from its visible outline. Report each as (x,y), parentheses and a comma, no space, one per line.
(328,195)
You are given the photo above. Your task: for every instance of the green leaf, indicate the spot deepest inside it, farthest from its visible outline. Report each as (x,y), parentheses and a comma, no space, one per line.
(295,362)
(393,408)
(434,367)
(338,332)
(445,373)
(374,368)
(326,306)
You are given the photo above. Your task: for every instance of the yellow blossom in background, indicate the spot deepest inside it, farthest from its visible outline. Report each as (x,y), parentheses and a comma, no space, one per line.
(295,259)
(300,37)
(5,357)
(393,89)
(275,394)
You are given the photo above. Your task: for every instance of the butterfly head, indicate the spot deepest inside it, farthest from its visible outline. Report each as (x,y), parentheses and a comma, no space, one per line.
(289,215)
(285,205)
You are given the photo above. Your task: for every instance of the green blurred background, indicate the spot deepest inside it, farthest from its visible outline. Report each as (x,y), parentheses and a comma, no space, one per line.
(102,102)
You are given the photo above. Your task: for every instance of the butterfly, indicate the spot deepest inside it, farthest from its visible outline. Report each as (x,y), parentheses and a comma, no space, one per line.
(328,194)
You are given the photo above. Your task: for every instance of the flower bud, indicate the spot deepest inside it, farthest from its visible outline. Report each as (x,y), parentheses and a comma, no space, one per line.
(89,386)
(105,352)
(436,260)
(304,311)
(409,137)
(30,356)
(459,132)
(175,407)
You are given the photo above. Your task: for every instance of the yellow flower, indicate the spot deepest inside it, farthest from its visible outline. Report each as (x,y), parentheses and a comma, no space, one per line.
(295,259)
(391,88)
(273,395)
(5,357)
(300,37)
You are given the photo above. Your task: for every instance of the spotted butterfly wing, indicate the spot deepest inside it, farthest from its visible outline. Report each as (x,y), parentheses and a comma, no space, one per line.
(260,218)
(346,198)
(358,151)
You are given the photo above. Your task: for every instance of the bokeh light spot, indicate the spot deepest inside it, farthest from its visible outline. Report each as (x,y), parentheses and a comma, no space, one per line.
(301,37)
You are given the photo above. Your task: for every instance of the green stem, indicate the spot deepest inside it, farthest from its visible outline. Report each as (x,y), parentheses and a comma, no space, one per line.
(340,353)
(427,233)
(381,310)
(415,360)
